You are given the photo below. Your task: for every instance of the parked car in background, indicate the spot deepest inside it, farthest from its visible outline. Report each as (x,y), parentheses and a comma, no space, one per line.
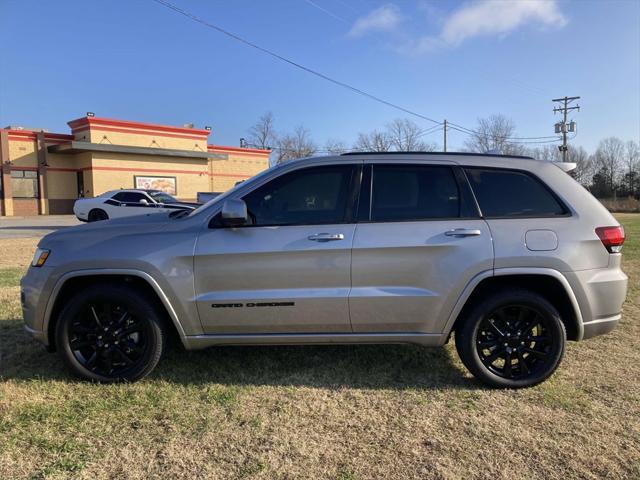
(126,203)
(204,197)
(509,254)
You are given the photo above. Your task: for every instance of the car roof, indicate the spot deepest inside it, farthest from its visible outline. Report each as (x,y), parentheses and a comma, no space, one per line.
(129,190)
(466,154)
(466,159)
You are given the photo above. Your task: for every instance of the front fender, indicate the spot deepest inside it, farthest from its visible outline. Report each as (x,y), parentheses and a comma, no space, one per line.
(119,272)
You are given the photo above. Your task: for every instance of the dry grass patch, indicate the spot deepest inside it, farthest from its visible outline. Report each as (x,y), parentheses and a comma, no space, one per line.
(351,412)
(17,253)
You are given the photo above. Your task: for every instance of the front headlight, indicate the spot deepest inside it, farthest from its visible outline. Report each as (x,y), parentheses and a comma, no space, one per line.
(40,257)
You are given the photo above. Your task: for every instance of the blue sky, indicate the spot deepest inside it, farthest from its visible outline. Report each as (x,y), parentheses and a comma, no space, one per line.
(137,60)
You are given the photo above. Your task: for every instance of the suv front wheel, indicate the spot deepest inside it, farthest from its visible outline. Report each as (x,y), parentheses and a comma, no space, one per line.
(109,333)
(512,339)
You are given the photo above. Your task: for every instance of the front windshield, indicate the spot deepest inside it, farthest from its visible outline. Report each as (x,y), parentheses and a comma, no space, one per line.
(253,179)
(162,197)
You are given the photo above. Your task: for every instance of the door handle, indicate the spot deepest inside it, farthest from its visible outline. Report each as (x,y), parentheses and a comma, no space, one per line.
(463,232)
(325,237)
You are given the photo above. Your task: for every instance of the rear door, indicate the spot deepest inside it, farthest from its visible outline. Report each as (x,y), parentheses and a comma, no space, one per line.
(419,241)
(290,270)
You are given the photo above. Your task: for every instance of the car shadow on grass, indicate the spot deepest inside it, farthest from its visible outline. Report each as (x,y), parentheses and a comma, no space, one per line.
(331,366)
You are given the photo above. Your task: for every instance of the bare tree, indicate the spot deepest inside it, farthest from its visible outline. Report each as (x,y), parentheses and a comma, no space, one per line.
(262,134)
(549,153)
(494,133)
(405,136)
(584,165)
(335,147)
(292,146)
(632,164)
(375,141)
(608,159)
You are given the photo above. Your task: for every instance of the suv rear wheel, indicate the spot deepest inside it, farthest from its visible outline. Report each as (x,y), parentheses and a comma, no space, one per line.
(109,333)
(513,339)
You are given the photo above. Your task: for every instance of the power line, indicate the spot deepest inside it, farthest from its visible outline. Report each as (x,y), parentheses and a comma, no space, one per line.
(524,140)
(429,131)
(347,86)
(474,132)
(327,12)
(291,62)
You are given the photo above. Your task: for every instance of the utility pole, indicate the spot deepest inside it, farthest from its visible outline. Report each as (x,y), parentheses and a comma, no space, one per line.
(562,127)
(445,134)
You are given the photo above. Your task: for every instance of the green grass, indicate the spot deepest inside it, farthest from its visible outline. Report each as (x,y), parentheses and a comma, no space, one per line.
(335,412)
(10,277)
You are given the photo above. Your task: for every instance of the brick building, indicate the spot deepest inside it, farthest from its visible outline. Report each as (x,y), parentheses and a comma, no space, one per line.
(44,173)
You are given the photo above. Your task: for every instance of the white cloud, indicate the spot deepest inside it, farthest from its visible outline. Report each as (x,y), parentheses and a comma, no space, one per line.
(491,17)
(383,19)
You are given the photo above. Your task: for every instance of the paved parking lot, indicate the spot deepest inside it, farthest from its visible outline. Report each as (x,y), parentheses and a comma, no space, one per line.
(29,227)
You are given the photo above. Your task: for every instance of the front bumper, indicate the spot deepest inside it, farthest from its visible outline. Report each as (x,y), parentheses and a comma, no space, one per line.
(33,297)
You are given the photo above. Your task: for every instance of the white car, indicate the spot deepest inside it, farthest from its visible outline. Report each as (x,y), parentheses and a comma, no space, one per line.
(126,203)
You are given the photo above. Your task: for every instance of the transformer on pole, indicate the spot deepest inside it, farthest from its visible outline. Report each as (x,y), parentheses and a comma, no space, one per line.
(563,127)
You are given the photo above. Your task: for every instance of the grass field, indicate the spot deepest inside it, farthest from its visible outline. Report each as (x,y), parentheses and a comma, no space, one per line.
(351,412)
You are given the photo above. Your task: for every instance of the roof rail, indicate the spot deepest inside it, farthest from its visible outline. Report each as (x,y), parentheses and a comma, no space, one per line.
(441,153)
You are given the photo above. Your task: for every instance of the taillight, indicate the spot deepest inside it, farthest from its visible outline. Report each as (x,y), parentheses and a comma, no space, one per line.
(612,238)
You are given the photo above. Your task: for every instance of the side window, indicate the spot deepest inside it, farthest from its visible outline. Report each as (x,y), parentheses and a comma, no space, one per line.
(413,192)
(317,195)
(129,197)
(509,193)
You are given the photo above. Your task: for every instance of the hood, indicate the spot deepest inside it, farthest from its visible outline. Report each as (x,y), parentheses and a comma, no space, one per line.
(107,228)
(183,204)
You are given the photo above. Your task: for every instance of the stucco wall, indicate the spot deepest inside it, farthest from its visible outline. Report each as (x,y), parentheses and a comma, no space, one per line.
(238,166)
(112,171)
(23,153)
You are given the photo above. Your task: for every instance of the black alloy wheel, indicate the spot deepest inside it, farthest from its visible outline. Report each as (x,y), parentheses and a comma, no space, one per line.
(514,338)
(107,339)
(514,342)
(110,333)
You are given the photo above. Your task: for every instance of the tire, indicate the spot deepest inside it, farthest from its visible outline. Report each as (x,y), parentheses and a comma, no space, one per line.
(512,339)
(97,214)
(110,333)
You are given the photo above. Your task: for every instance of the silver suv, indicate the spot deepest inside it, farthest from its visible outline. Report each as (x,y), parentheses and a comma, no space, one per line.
(510,253)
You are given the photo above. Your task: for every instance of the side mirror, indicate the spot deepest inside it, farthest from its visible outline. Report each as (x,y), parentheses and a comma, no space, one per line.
(143,201)
(234,213)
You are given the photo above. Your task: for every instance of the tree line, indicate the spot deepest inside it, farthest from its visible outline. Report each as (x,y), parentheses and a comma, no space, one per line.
(401,135)
(612,170)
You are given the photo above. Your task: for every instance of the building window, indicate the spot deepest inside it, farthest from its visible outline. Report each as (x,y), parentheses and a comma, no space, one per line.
(24,184)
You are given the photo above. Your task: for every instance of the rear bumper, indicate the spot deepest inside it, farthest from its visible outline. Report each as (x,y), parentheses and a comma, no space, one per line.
(600,294)
(599,327)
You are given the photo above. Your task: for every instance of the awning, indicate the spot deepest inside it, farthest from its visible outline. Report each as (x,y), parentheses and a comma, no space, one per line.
(82,147)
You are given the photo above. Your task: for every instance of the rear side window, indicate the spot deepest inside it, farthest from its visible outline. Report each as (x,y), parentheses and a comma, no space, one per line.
(413,192)
(129,197)
(509,193)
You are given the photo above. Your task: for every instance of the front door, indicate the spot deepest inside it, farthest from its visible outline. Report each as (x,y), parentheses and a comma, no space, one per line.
(129,204)
(419,244)
(289,271)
